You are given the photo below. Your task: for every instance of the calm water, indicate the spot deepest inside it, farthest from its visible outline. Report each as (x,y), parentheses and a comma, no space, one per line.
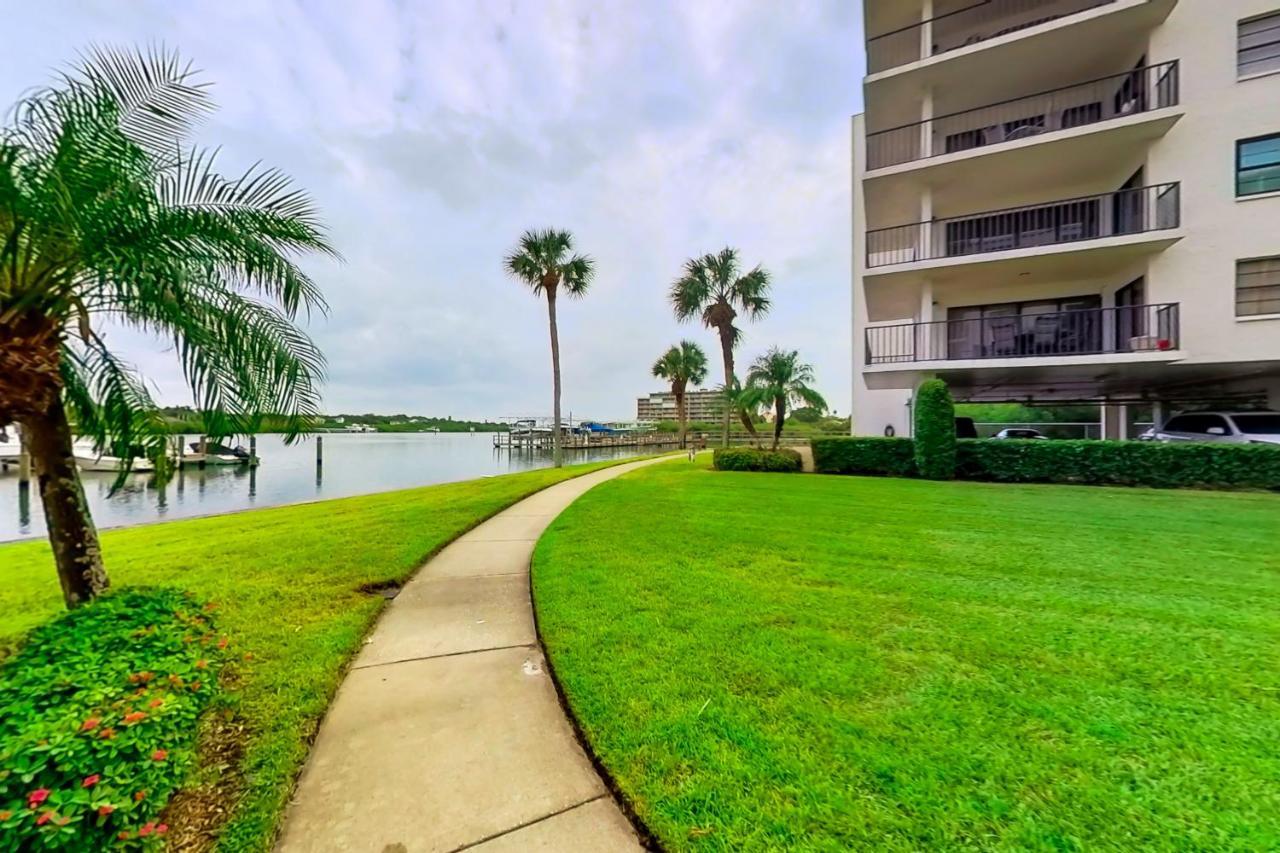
(353,465)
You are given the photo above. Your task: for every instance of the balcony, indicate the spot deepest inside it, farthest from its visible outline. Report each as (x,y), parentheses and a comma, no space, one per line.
(1042,114)
(1125,213)
(1136,330)
(976,23)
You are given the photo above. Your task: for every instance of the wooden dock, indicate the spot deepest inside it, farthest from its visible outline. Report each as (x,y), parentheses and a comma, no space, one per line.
(586,441)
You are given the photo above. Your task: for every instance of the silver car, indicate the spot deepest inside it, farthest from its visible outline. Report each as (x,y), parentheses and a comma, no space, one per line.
(1231,427)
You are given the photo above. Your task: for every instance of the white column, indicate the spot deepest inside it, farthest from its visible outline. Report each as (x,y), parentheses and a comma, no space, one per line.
(1158,413)
(926,336)
(926,29)
(926,124)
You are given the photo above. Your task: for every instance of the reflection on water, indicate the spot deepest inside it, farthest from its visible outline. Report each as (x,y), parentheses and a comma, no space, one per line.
(353,465)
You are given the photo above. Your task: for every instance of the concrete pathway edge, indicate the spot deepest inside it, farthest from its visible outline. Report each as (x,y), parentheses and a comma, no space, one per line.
(447,731)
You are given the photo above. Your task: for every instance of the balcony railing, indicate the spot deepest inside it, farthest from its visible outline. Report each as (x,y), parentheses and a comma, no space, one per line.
(1140,90)
(983,20)
(1134,211)
(1090,331)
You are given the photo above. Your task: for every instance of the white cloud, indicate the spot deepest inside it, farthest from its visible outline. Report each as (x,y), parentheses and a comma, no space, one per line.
(433,133)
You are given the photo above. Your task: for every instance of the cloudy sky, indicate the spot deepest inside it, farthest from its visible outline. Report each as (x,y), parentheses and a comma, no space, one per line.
(432,132)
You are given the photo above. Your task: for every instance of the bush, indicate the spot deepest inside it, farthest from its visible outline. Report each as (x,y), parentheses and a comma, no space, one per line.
(1121,463)
(756,459)
(98,713)
(888,457)
(935,431)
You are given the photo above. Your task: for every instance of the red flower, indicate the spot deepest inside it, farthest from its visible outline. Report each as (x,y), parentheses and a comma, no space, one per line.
(134,717)
(155,703)
(146,676)
(222,644)
(162,828)
(5,815)
(139,796)
(107,734)
(159,755)
(37,797)
(201,664)
(89,724)
(248,656)
(195,685)
(124,836)
(44,818)
(147,829)
(90,781)
(106,810)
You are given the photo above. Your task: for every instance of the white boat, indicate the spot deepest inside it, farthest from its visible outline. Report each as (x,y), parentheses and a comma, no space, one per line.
(9,452)
(216,454)
(89,459)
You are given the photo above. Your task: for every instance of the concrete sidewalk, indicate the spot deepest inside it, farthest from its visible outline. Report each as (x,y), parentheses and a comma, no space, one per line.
(447,733)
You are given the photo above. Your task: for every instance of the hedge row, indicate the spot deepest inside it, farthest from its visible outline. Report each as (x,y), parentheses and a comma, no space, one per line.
(756,459)
(1100,463)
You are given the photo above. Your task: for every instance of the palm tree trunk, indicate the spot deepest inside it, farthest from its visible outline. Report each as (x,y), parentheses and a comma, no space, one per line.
(747,424)
(726,350)
(779,417)
(557,453)
(681,415)
(76,551)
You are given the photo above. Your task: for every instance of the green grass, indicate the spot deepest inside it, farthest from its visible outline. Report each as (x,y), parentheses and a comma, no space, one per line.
(287,583)
(770,661)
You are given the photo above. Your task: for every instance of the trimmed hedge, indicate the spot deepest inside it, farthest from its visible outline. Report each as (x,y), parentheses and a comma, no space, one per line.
(756,459)
(1122,463)
(1098,463)
(884,457)
(98,714)
(935,431)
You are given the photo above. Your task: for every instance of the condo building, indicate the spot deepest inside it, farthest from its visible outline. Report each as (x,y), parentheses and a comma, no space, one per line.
(707,406)
(1067,201)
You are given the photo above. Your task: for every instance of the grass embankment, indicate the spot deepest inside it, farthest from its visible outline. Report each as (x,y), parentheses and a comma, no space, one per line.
(771,661)
(287,582)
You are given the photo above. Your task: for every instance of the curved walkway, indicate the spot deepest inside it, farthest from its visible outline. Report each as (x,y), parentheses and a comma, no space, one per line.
(447,733)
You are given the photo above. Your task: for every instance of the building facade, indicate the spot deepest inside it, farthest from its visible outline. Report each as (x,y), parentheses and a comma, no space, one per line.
(661,406)
(1067,201)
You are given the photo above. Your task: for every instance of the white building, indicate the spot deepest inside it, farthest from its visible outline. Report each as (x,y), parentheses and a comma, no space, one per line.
(700,405)
(1070,201)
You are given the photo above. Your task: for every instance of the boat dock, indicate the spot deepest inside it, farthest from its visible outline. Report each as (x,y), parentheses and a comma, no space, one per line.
(541,440)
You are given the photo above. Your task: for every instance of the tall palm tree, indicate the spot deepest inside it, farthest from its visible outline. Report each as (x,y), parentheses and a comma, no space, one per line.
(681,365)
(545,261)
(714,288)
(741,403)
(105,217)
(777,378)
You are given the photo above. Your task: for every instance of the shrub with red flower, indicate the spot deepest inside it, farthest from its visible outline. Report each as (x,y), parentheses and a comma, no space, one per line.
(82,765)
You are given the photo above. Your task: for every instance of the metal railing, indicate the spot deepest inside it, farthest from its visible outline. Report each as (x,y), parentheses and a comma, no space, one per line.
(1089,331)
(1141,90)
(1133,211)
(983,20)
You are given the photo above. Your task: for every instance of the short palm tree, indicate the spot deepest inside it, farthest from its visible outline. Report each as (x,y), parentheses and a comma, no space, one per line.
(546,262)
(714,288)
(777,378)
(682,364)
(105,217)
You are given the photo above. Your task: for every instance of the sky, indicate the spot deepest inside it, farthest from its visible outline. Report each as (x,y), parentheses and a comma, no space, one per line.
(431,134)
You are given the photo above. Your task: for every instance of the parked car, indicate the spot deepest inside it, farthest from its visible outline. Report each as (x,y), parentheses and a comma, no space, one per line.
(1230,427)
(1020,432)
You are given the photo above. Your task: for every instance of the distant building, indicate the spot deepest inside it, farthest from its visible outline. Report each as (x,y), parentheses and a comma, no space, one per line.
(661,406)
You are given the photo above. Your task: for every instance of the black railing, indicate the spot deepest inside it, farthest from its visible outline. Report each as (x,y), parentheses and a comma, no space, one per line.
(1135,211)
(983,20)
(1090,331)
(1140,90)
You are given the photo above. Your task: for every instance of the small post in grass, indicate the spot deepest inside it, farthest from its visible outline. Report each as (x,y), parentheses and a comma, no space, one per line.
(24,461)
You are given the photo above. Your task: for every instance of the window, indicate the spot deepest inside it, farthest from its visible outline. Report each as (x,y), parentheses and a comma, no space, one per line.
(1263,424)
(1197,424)
(1258,165)
(1258,45)
(1258,287)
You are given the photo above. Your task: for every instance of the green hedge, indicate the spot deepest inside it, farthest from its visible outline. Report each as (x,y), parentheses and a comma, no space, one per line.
(1099,463)
(935,431)
(1122,463)
(756,459)
(98,714)
(886,457)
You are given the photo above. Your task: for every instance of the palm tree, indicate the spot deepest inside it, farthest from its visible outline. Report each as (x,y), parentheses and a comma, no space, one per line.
(779,377)
(714,288)
(105,216)
(546,263)
(681,365)
(743,403)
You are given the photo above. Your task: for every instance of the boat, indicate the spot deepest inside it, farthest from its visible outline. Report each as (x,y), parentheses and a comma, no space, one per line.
(89,459)
(214,453)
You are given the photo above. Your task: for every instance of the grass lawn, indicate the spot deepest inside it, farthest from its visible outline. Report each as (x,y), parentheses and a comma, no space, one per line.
(774,661)
(287,584)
